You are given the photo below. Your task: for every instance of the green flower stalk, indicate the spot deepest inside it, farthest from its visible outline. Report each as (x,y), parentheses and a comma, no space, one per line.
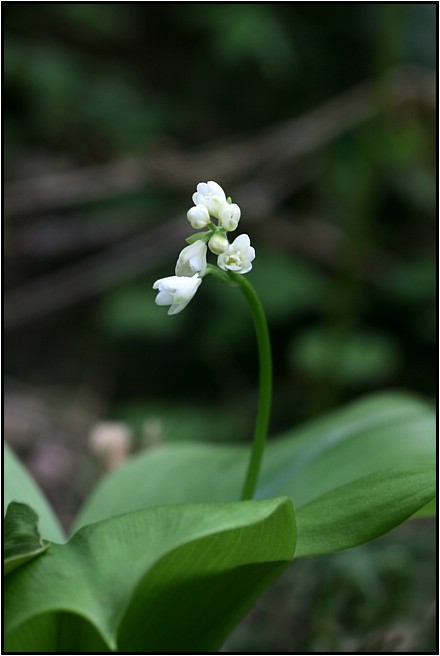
(233,260)
(264,389)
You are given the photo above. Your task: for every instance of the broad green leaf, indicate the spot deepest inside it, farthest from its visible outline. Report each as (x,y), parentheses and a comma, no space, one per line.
(39,635)
(429,510)
(345,514)
(373,436)
(20,486)
(167,578)
(21,539)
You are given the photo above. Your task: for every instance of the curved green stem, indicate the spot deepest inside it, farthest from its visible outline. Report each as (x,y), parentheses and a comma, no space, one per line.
(265,377)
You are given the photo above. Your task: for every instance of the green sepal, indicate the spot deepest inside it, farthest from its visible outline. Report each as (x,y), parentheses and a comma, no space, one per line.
(199,236)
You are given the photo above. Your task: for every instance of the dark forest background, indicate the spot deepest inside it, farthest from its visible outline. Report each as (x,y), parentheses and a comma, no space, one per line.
(319,119)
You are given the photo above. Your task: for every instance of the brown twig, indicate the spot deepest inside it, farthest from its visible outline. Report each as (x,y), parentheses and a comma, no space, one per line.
(270,150)
(262,194)
(93,275)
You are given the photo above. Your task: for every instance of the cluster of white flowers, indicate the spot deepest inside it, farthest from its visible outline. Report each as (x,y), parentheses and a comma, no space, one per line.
(210,203)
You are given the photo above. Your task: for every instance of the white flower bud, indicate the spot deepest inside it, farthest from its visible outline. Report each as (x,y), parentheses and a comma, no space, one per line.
(211,195)
(192,259)
(218,244)
(176,291)
(198,216)
(229,216)
(238,257)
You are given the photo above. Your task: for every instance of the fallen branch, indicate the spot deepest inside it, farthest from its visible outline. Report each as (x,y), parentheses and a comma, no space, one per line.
(270,150)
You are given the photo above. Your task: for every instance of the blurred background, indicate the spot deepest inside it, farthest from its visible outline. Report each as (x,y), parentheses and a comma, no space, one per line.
(319,119)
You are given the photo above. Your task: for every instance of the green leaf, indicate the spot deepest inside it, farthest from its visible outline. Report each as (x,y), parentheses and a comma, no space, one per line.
(199,236)
(377,434)
(345,514)
(429,510)
(19,486)
(168,579)
(22,540)
(372,437)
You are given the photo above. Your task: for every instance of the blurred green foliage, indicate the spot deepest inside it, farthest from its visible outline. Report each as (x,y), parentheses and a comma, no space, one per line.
(96,78)
(351,305)
(371,599)
(88,83)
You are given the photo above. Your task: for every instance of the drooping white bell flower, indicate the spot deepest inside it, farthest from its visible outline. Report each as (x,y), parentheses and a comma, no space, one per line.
(211,195)
(198,216)
(229,215)
(192,260)
(238,256)
(176,291)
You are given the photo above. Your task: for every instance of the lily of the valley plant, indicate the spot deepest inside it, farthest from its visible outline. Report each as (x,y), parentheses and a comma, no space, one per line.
(173,547)
(219,215)
(212,210)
